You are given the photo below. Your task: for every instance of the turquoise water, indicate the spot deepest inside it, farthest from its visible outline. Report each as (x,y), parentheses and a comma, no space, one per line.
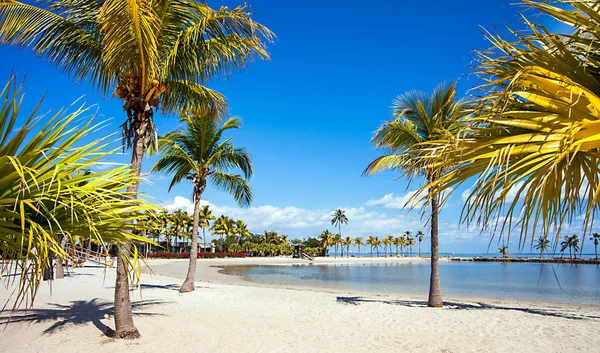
(528,281)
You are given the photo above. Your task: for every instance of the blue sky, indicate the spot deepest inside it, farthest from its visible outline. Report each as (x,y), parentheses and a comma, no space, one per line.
(309,113)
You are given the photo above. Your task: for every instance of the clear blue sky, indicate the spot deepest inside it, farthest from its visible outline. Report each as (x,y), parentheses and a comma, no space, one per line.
(309,113)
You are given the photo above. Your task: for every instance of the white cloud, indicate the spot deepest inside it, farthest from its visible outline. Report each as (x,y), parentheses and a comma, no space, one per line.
(395,202)
(300,222)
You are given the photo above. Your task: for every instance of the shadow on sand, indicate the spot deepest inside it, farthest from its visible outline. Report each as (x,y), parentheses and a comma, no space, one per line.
(78,312)
(473,306)
(174,287)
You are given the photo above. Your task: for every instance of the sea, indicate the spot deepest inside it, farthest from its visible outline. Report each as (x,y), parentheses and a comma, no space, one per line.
(563,283)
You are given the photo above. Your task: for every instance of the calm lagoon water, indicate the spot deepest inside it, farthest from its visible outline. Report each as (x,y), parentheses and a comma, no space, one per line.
(528,281)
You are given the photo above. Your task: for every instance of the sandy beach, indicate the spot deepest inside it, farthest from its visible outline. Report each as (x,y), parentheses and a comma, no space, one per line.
(227,314)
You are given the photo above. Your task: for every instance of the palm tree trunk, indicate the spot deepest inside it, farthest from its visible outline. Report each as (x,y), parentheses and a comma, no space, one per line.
(371,250)
(203,236)
(596,246)
(60,270)
(359,251)
(435,290)
(124,326)
(570,255)
(419,248)
(188,284)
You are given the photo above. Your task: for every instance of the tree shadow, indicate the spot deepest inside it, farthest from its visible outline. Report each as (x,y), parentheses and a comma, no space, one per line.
(565,314)
(79,312)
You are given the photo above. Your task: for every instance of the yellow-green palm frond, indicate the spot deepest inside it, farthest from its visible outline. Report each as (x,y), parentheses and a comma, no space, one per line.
(48,188)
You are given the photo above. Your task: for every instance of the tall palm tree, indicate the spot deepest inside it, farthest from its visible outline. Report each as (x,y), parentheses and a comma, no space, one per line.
(204,219)
(504,251)
(339,218)
(199,153)
(533,142)
(324,237)
(358,241)
(48,195)
(407,236)
(148,50)
(372,241)
(542,244)
(596,238)
(164,219)
(420,236)
(419,118)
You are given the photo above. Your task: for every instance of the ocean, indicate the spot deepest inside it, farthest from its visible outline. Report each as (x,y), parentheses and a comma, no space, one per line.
(566,283)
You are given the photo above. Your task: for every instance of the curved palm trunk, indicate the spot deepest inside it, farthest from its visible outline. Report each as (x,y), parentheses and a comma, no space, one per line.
(124,326)
(435,290)
(188,284)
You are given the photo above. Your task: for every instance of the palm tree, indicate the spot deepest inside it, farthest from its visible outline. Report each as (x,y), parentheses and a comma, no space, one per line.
(48,195)
(198,152)
(241,229)
(420,236)
(224,228)
(377,243)
(596,238)
(504,251)
(542,245)
(335,240)
(387,242)
(571,242)
(148,49)
(324,237)
(372,241)
(204,219)
(347,242)
(339,218)
(398,241)
(419,118)
(358,241)
(533,142)
(410,242)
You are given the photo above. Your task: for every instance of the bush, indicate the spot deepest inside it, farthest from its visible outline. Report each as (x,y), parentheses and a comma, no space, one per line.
(201,255)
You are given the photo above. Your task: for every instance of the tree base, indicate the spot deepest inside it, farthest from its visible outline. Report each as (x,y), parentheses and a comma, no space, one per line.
(186,287)
(126,335)
(435,305)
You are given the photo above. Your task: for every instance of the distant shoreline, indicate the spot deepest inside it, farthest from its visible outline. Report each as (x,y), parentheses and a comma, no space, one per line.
(527,259)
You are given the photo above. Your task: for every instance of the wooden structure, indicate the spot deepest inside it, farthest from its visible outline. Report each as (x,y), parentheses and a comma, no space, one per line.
(299,253)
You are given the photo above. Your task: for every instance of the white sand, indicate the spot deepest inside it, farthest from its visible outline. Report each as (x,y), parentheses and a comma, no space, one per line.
(221,317)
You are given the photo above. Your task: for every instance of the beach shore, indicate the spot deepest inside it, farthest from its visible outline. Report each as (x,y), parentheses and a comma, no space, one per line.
(227,314)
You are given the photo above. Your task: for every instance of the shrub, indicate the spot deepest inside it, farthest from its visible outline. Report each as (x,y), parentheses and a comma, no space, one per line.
(201,255)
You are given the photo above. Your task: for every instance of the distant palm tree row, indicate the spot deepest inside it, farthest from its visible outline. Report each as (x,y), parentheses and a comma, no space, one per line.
(401,243)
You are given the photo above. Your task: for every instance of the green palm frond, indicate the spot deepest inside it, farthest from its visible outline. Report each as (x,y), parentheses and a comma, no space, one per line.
(47,189)
(537,131)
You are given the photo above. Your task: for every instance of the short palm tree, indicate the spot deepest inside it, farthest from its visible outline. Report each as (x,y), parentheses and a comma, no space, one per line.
(372,241)
(420,236)
(398,241)
(204,219)
(419,118)
(542,244)
(358,241)
(504,251)
(198,152)
(335,240)
(347,242)
(410,242)
(596,238)
(153,52)
(241,229)
(324,237)
(572,243)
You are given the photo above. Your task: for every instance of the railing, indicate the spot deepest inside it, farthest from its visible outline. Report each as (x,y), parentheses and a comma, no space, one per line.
(89,255)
